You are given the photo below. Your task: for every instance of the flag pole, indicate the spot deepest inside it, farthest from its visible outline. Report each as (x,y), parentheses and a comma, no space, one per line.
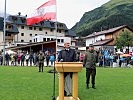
(4,33)
(56,55)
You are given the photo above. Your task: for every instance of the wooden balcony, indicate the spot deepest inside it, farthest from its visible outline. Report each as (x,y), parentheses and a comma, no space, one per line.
(9,37)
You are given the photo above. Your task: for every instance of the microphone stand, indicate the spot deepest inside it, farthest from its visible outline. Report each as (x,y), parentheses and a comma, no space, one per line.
(53,97)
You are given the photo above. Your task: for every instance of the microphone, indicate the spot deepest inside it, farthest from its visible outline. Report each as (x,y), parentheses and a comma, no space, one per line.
(61,60)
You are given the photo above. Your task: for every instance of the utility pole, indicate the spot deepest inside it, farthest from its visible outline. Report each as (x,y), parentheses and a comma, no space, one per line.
(94,36)
(4,33)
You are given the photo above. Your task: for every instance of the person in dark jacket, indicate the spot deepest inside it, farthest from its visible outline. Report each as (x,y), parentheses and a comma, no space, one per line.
(7,59)
(90,63)
(41,61)
(47,59)
(67,55)
(22,59)
(15,57)
(31,58)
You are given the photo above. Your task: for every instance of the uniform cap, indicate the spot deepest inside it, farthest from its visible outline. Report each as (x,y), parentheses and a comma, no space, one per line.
(91,45)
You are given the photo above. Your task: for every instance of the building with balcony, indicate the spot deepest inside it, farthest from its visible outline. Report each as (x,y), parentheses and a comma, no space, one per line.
(107,38)
(45,31)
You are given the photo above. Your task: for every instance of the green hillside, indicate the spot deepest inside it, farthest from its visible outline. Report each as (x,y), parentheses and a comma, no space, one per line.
(112,14)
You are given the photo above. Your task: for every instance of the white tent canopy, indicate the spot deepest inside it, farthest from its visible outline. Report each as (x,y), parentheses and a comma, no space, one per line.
(10,52)
(82,48)
(119,52)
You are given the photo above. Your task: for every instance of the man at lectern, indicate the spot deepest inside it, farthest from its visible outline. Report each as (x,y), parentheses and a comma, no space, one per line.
(67,55)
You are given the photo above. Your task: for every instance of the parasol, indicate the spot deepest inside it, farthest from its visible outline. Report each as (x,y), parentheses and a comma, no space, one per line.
(125,55)
(119,52)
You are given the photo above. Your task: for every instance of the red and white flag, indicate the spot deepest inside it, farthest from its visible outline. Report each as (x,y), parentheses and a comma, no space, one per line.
(47,11)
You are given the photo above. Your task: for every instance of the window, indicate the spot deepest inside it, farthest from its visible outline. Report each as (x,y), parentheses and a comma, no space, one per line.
(44,39)
(30,34)
(22,27)
(14,19)
(9,43)
(62,40)
(22,34)
(30,40)
(40,29)
(34,28)
(9,26)
(52,24)
(30,28)
(23,20)
(58,40)
(52,39)
(34,40)
(59,31)
(51,30)
(7,34)
(48,39)
(61,25)
(45,32)
(35,34)
(22,40)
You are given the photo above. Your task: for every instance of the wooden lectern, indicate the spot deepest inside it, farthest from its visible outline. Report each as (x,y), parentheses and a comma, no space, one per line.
(74,67)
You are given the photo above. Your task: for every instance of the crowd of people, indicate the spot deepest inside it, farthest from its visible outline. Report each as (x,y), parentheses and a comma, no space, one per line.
(105,57)
(26,59)
(114,59)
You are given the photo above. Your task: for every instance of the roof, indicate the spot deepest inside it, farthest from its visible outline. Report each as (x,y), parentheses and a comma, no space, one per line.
(1,23)
(102,42)
(107,31)
(14,27)
(29,45)
(13,30)
(21,20)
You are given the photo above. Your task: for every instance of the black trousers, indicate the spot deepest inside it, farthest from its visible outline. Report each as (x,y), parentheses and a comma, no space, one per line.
(47,62)
(41,67)
(90,73)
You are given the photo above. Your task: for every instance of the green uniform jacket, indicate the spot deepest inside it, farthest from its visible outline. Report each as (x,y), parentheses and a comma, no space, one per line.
(90,59)
(41,58)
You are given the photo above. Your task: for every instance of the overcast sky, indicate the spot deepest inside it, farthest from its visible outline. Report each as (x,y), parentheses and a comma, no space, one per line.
(68,11)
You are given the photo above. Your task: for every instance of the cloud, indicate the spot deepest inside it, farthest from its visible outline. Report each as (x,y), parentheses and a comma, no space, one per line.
(68,11)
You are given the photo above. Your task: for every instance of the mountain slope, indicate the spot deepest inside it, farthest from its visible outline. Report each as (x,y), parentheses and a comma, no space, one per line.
(112,14)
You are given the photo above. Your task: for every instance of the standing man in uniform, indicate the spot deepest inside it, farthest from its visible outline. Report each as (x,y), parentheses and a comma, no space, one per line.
(41,61)
(90,63)
(67,55)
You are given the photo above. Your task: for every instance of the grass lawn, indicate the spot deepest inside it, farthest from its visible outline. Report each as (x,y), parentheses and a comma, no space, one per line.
(26,83)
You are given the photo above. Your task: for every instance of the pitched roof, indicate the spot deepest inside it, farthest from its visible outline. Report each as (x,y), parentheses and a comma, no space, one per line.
(102,42)
(28,45)
(14,27)
(21,20)
(107,31)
